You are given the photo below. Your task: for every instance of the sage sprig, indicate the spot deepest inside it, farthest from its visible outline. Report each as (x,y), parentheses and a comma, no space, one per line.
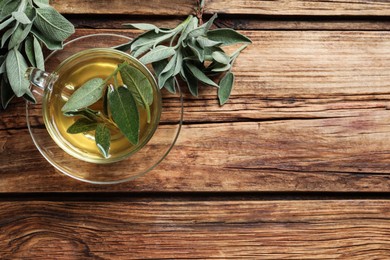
(120,109)
(27,25)
(192,51)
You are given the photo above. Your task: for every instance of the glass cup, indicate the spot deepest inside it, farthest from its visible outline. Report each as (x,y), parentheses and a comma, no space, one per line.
(77,155)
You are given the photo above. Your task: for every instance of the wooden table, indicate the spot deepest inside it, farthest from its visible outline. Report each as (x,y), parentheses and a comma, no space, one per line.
(296,165)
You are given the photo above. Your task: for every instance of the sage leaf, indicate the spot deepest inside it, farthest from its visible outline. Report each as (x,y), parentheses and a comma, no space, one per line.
(21,17)
(105,102)
(204,42)
(19,35)
(221,67)
(179,63)
(227,36)
(87,113)
(200,75)
(123,47)
(6,23)
(191,25)
(39,59)
(6,92)
(191,80)
(202,30)
(220,57)
(29,50)
(89,93)
(8,7)
(124,112)
(167,72)
(2,64)
(30,12)
(8,34)
(82,125)
(41,3)
(225,88)
(158,66)
(53,24)
(50,44)
(199,52)
(142,26)
(141,50)
(16,66)
(170,85)
(29,96)
(102,139)
(139,86)
(156,54)
(144,39)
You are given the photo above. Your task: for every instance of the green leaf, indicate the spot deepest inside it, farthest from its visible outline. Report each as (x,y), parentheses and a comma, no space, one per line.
(29,97)
(29,50)
(8,34)
(141,50)
(139,86)
(202,30)
(2,64)
(192,81)
(227,36)
(8,7)
(21,17)
(102,139)
(225,88)
(150,39)
(158,66)
(42,3)
(89,93)
(105,102)
(200,75)
(191,25)
(204,42)
(167,72)
(123,47)
(219,67)
(30,12)
(50,44)
(170,85)
(16,66)
(179,63)
(220,57)
(40,61)
(87,113)
(82,125)
(19,35)
(6,92)
(53,24)
(6,23)
(199,52)
(124,112)
(159,53)
(142,26)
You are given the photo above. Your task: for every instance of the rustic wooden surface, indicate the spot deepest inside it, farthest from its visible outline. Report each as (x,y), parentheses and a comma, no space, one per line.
(296,165)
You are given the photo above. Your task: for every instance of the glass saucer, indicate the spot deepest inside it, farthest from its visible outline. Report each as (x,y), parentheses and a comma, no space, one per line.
(136,165)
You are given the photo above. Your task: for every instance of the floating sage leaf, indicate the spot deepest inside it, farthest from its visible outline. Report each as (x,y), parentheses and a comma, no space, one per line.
(156,54)
(82,125)
(102,139)
(53,24)
(225,87)
(88,113)
(124,112)
(139,86)
(89,93)
(21,17)
(200,75)
(16,66)
(227,36)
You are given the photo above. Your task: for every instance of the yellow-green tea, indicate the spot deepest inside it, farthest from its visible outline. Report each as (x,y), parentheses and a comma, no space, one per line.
(73,73)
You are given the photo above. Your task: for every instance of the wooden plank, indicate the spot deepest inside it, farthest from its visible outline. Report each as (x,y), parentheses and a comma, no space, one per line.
(245,7)
(345,154)
(308,113)
(329,229)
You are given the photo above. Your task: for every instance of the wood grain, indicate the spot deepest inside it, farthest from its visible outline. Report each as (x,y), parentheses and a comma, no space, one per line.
(309,112)
(244,229)
(247,7)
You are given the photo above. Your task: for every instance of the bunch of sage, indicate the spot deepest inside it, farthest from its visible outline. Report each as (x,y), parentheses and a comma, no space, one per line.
(27,24)
(120,106)
(193,51)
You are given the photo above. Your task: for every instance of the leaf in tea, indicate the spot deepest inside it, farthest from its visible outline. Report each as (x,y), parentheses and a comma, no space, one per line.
(102,139)
(124,112)
(82,125)
(90,92)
